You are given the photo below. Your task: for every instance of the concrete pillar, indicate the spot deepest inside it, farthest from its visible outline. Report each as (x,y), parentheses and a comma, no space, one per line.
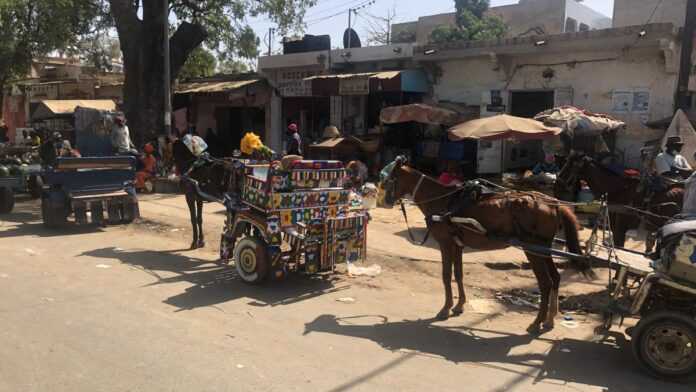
(274,136)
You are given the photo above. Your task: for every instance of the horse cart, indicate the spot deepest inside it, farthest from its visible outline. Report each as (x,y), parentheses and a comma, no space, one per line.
(294,218)
(95,185)
(659,290)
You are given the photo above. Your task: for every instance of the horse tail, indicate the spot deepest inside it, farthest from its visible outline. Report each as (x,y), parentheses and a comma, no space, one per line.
(570,229)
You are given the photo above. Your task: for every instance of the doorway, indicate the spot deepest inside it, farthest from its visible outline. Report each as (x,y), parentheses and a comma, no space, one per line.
(527,153)
(233,123)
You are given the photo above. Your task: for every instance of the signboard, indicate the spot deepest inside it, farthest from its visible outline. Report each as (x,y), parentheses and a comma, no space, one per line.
(621,101)
(641,101)
(631,101)
(294,83)
(354,86)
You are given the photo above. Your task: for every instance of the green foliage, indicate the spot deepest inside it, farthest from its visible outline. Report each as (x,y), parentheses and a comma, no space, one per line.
(33,28)
(472,24)
(232,66)
(201,63)
(229,34)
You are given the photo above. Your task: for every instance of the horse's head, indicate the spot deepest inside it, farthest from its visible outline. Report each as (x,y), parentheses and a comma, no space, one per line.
(570,175)
(394,182)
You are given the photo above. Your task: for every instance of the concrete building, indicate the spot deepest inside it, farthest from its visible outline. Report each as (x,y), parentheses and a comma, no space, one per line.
(230,105)
(342,87)
(56,79)
(634,13)
(528,17)
(605,71)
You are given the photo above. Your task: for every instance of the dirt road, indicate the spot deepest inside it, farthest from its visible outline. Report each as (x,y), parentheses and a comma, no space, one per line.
(130,309)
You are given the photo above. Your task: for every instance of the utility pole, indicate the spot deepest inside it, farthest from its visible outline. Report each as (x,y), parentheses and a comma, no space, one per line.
(271,30)
(683,98)
(350,12)
(167,70)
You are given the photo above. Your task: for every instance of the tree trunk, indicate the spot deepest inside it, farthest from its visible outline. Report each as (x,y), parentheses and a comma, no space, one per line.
(143,52)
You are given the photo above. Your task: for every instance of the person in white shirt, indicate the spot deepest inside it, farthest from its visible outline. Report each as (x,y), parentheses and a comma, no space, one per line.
(120,138)
(671,163)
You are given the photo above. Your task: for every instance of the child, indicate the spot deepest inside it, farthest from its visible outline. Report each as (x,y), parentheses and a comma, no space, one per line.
(149,163)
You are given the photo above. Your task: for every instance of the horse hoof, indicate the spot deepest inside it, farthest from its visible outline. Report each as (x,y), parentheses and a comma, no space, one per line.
(193,246)
(201,244)
(534,329)
(443,315)
(458,311)
(547,326)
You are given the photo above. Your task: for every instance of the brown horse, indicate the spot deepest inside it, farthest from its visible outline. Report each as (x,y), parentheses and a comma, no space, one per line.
(620,190)
(528,217)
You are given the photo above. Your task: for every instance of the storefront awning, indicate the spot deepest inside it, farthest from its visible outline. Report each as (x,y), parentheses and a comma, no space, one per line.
(412,80)
(419,113)
(65,108)
(205,87)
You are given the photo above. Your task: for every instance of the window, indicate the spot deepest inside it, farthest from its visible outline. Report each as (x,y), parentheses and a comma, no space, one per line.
(571,25)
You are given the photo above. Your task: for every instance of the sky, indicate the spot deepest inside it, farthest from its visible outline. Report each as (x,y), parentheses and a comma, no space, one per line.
(331,16)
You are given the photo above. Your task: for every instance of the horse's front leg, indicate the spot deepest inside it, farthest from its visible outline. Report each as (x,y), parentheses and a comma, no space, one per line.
(191,203)
(201,240)
(445,250)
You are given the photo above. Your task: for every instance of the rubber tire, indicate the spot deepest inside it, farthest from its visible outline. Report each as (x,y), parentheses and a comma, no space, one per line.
(130,211)
(247,247)
(97,209)
(115,213)
(35,186)
(7,200)
(645,324)
(53,218)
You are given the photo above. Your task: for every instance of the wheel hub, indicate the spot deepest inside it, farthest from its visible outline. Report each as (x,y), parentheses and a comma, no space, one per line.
(671,347)
(248,260)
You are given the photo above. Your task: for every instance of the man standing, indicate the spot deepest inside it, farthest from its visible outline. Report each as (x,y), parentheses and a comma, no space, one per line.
(671,163)
(295,143)
(120,138)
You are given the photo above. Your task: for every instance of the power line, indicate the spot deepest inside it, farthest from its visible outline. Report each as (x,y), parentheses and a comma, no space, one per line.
(360,5)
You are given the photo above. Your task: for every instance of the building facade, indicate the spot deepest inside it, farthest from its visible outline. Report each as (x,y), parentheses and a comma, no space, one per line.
(528,17)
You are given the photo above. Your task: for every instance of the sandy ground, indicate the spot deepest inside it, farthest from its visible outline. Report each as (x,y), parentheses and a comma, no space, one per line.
(129,308)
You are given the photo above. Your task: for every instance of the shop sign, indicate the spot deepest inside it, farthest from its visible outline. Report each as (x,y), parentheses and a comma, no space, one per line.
(294,83)
(354,86)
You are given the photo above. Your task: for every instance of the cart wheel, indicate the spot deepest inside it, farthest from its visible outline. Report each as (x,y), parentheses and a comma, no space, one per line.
(6,200)
(35,186)
(115,215)
(54,215)
(130,211)
(665,344)
(80,214)
(97,210)
(251,259)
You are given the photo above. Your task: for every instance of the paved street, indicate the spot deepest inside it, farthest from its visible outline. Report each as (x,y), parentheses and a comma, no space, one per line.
(130,309)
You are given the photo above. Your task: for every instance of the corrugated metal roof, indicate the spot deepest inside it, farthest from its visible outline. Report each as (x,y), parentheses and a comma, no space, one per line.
(377,75)
(49,108)
(213,86)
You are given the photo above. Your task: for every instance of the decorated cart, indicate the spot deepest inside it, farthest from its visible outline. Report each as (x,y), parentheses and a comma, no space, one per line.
(293,216)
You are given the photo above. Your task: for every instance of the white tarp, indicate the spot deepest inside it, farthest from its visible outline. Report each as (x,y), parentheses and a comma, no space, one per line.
(579,121)
(681,126)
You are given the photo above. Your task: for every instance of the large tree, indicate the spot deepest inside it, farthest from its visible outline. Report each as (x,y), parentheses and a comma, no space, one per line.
(35,28)
(221,24)
(472,23)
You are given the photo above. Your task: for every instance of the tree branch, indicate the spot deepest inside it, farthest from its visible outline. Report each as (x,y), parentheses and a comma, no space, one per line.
(186,38)
(127,22)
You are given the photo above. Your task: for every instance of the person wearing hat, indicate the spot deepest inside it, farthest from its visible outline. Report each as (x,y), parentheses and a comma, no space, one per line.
(120,138)
(671,163)
(295,143)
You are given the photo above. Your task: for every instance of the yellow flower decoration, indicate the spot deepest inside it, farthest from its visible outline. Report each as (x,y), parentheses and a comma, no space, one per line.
(250,143)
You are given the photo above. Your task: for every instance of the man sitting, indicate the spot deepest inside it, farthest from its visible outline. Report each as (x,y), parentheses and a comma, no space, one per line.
(452,176)
(671,163)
